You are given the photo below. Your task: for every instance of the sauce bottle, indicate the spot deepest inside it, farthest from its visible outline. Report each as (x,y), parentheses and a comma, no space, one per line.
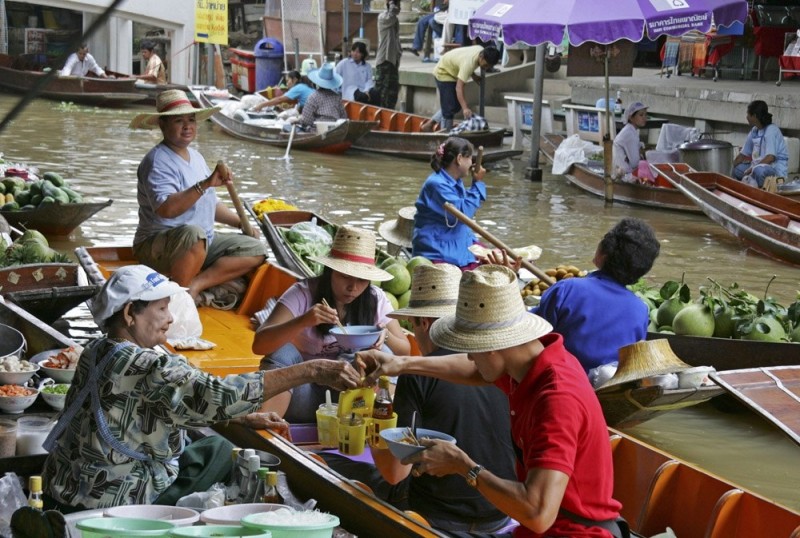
(271,494)
(382,408)
(35,494)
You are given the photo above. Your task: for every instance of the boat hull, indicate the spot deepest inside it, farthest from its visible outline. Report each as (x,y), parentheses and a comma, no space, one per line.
(55,219)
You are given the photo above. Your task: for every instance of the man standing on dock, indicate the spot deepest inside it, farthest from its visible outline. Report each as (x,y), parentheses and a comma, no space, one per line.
(453,71)
(387,78)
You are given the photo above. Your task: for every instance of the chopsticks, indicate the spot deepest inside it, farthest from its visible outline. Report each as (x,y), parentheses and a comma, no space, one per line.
(338,321)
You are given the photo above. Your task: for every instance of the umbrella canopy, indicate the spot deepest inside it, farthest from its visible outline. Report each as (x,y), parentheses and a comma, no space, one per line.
(533,22)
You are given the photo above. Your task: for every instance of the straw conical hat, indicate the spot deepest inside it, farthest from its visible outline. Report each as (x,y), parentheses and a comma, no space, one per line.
(353,253)
(434,292)
(644,359)
(399,230)
(171,103)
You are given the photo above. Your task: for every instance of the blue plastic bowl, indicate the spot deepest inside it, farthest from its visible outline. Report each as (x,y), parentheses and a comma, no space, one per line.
(358,337)
(401,450)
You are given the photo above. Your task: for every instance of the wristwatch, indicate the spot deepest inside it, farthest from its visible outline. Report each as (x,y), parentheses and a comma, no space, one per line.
(472,475)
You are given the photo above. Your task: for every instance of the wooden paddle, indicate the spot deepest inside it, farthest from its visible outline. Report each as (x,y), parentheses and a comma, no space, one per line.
(245,222)
(496,242)
(478,159)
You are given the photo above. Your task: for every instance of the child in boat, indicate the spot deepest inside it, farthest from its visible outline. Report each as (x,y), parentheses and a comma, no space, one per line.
(438,235)
(297,329)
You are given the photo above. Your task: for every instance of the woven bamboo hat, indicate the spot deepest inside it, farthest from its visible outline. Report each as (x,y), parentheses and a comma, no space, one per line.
(644,359)
(490,314)
(434,292)
(353,253)
(399,230)
(171,103)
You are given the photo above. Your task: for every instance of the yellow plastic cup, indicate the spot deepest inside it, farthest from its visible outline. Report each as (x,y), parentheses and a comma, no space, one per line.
(376,426)
(328,425)
(352,436)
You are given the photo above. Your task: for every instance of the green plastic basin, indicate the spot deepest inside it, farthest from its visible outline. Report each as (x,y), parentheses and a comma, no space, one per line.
(123,527)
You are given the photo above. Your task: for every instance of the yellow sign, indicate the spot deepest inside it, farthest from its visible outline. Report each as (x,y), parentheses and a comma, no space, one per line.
(211,21)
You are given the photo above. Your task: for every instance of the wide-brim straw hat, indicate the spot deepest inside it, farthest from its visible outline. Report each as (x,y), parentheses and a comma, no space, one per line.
(490,314)
(399,230)
(325,77)
(645,359)
(434,292)
(353,253)
(171,103)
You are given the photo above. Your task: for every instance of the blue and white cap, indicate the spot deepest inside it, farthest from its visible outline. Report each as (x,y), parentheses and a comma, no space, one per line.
(128,284)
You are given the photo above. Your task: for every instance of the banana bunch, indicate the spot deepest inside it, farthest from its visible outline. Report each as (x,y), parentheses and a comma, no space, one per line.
(271,204)
(537,287)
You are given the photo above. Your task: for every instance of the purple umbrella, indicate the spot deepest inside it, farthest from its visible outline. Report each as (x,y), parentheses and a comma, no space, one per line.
(536,22)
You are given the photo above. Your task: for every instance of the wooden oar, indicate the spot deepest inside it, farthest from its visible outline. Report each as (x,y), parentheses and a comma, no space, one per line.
(245,222)
(496,242)
(479,159)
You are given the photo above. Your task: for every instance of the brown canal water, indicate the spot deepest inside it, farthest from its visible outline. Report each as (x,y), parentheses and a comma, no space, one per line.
(94,149)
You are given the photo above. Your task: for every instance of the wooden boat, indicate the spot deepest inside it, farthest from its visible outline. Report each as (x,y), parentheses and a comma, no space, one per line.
(768,223)
(729,354)
(589,177)
(55,219)
(22,74)
(399,134)
(272,225)
(630,406)
(773,393)
(49,304)
(337,139)
(150,90)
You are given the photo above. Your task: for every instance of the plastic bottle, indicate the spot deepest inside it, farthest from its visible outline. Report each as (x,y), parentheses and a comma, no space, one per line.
(618,103)
(247,491)
(232,487)
(383,408)
(35,495)
(261,486)
(271,494)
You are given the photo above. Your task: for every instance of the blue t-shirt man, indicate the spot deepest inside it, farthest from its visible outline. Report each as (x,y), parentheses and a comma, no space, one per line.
(299,92)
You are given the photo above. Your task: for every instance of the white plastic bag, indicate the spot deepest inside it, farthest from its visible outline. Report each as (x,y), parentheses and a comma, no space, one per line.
(571,150)
(13,499)
(186,324)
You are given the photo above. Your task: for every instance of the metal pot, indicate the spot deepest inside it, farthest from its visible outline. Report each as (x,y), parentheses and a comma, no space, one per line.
(708,155)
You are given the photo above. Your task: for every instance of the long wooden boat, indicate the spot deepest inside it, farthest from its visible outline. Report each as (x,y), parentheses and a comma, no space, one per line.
(768,223)
(55,219)
(46,290)
(22,74)
(49,304)
(773,393)
(589,177)
(400,134)
(150,90)
(337,139)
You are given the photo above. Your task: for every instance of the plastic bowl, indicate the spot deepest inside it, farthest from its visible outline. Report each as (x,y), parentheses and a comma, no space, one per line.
(324,529)
(17,378)
(56,401)
(209,531)
(122,527)
(177,515)
(233,514)
(357,337)
(17,404)
(59,375)
(401,450)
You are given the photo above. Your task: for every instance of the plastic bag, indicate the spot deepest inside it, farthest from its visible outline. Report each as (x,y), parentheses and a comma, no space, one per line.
(186,321)
(308,239)
(13,499)
(203,500)
(572,150)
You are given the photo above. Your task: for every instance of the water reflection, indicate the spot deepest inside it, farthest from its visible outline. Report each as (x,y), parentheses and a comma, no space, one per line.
(99,155)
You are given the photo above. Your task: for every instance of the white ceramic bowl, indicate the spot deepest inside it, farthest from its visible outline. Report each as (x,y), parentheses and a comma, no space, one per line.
(356,337)
(17,404)
(401,450)
(177,515)
(233,513)
(59,375)
(17,378)
(54,400)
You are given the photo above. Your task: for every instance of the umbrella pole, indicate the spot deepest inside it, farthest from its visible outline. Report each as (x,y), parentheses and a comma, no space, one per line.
(607,146)
(533,172)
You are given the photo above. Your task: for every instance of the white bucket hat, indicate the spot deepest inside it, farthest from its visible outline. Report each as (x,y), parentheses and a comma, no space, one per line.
(353,253)
(632,109)
(434,292)
(490,314)
(130,283)
(171,103)
(399,230)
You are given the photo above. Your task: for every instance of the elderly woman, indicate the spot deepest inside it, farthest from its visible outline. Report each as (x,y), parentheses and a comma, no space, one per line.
(627,147)
(764,152)
(121,438)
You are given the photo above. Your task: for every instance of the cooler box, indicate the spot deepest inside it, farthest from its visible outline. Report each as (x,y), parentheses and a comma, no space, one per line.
(269,62)
(243,70)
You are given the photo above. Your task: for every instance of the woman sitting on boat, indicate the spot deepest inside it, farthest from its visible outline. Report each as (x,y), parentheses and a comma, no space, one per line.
(325,104)
(121,438)
(764,152)
(297,93)
(439,236)
(297,329)
(627,146)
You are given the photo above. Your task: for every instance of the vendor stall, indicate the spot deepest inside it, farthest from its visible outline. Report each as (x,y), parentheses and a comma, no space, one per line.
(790,60)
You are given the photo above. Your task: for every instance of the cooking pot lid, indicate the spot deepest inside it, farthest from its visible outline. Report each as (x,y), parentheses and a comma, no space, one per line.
(706,143)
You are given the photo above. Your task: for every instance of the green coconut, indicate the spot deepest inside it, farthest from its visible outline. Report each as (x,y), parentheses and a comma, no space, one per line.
(694,320)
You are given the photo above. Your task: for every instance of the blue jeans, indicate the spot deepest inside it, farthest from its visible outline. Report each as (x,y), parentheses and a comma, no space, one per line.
(448,102)
(425,22)
(759,173)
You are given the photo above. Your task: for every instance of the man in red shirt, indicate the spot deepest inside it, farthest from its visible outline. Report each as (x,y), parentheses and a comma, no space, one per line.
(564,467)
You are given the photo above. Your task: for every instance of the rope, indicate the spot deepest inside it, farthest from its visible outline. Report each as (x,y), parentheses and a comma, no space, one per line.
(665,407)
